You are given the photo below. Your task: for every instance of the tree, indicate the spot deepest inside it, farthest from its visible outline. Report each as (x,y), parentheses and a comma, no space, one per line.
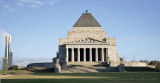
(154,63)
(144,61)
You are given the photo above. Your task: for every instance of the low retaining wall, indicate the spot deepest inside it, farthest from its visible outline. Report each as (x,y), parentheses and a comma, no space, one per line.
(135,64)
(47,65)
(128,64)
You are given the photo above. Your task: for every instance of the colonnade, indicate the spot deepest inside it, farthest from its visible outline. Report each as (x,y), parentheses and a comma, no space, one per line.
(86,54)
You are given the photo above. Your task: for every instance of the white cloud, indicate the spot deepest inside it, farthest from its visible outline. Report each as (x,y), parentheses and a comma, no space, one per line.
(5,6)
(38,2)
(51,2)
(11,7)
(32,5)
(29,3)
(26,3)
(11,10)
(8,8)
(19,4)
(33,2)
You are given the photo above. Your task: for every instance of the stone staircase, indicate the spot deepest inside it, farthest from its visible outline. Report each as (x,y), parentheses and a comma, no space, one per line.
(88,69)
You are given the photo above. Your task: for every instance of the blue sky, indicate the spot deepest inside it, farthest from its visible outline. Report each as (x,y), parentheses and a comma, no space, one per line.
(37,25)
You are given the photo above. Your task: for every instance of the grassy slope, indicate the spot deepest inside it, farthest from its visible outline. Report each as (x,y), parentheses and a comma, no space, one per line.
(114,77)
(10,72)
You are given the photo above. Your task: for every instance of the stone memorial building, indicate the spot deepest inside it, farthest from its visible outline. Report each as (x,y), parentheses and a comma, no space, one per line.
(87,43)
(87,49)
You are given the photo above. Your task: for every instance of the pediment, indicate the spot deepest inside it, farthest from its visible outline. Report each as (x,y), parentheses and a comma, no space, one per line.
(88,41)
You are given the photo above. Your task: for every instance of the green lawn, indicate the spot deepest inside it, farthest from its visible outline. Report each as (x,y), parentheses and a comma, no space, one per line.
(107,77)
(140,69)
(10,72)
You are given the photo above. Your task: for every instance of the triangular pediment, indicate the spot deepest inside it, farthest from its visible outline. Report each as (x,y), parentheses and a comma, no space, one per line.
(88,41)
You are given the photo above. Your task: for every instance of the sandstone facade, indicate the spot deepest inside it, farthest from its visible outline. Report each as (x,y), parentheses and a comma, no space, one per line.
(87,43)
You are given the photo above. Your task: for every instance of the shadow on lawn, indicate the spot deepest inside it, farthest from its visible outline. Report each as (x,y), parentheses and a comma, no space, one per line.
(41,70)
(76,81)
(137,72)
(141,69)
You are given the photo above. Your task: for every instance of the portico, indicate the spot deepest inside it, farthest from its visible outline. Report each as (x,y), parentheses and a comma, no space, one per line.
(86,50)
(90,54)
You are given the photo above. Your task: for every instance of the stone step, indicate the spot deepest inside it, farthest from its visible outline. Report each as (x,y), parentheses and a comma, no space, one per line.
(88,63)
(86,69)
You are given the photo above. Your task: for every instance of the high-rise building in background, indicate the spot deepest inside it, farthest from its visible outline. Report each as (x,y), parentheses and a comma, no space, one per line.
(7,61)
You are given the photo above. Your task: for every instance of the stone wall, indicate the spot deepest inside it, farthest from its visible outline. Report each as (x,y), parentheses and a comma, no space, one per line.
(135,64)
(61,54)
(112,54)
(47,65)
(99,35)
(128,64)
(111,41)
(86,28)
(151,66)
(66,40)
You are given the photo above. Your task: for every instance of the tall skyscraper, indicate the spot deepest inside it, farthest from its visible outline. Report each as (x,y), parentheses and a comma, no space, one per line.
(7,61)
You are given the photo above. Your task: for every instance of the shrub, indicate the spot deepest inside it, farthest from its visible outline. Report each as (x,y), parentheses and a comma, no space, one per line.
(144,61)
(158,67)
(154,63)
(14,67)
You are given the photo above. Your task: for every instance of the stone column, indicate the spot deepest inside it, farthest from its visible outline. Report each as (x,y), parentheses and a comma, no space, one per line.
(66,54)
(72,54)
(102,53)
(107,56)
(84,55)
(96,55)
(78,54)
(90,52)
